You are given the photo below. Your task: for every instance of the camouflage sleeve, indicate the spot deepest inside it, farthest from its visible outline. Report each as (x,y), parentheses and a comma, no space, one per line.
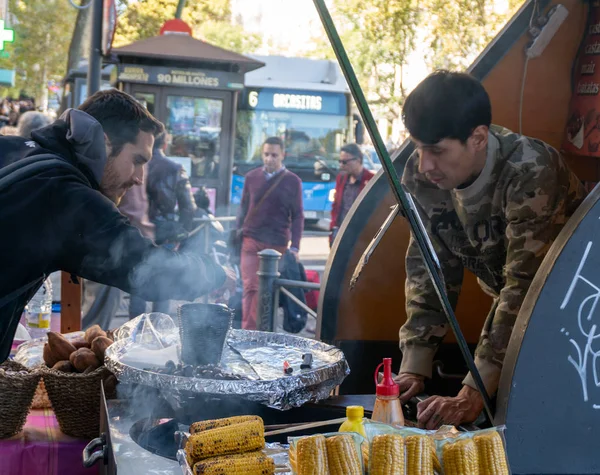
(536,201)
(426,324)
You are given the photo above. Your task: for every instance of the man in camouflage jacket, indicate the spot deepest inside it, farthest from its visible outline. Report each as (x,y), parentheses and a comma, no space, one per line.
(493,202)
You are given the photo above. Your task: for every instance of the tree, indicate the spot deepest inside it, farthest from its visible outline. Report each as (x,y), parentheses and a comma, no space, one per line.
(42,33)
(209,19)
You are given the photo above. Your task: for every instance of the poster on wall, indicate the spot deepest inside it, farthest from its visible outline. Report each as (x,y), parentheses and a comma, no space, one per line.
(583,125)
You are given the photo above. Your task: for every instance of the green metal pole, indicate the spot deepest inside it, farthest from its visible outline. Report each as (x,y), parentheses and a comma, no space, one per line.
(404,200)
(180,7)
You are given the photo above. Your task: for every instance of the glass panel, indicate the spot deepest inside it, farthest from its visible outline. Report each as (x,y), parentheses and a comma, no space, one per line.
(194,125)
(148,100)
(312,141)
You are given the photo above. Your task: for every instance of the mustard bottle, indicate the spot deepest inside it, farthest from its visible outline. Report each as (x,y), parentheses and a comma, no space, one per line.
(354,421)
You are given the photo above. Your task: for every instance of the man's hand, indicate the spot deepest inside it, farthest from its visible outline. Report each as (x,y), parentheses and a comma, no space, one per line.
(410,385)
(295,254)
(437,410)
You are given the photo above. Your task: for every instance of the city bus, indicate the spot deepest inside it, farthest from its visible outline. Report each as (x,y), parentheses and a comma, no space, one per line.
(306,103)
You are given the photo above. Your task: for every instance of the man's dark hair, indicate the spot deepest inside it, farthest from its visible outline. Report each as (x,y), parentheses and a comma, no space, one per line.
(446,105)
(121,117)
(159,141)
(274,141)
(354,150)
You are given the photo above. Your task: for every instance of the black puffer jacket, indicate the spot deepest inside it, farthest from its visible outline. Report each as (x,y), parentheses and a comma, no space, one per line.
(168,186)
(58,220)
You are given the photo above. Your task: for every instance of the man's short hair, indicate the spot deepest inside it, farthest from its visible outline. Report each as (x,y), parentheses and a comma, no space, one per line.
(446,105)
(121,117)
(354,150)
(274,141)
(159,141)
(30,121)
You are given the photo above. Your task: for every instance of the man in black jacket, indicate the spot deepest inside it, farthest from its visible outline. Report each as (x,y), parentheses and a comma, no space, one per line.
(64,216)
(169,188)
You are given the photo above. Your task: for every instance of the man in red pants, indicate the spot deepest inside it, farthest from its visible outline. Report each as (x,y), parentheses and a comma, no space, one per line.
(270,216)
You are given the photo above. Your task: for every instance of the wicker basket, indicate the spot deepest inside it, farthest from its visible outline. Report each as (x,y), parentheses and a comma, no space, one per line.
(16,394)
(75,398)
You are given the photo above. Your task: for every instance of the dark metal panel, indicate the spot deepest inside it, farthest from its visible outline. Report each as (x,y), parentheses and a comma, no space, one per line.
(548,395)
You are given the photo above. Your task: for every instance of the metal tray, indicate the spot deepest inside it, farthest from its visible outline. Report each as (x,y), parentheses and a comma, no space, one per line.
(258,355)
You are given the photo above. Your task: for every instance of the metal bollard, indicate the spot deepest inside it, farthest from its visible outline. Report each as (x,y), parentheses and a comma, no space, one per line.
(268,271)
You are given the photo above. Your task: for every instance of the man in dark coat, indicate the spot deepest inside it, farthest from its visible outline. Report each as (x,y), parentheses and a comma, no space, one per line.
(58,211)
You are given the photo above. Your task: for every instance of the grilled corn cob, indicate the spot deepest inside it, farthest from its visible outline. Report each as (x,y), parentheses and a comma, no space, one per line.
(216,423)
(490,450)
(387,455)
(460,458)
(246,464)
(244,437)
(311,456)
(419,459)
(342,456)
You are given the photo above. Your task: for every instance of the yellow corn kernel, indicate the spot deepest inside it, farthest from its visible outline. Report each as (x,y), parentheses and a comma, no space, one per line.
(342,456)
(460,458)
(419,460)
(239,464)
(216,423)
(437,466)
(387,455)
(311,456)
(492,457)
(239,438)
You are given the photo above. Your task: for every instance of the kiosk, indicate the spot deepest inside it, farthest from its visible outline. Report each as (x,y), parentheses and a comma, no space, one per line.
(192,87)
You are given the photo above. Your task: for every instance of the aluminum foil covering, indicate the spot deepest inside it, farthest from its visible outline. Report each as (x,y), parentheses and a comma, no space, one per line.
(258,356)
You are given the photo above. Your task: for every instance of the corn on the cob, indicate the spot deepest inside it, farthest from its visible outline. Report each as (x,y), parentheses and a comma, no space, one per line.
(490,450)
(239,464)
(216,423)
(460,458)
(311,456)
(244,437)
(342,456)
(387,455)
(419,460)
(437,466)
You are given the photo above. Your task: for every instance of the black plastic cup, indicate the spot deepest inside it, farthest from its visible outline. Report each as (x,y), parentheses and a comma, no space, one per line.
(203,329)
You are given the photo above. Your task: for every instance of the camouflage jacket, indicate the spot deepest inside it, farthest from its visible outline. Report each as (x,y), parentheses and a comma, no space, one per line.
(500,228)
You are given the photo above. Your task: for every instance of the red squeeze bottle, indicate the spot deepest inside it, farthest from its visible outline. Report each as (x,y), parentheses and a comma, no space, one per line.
(387,403)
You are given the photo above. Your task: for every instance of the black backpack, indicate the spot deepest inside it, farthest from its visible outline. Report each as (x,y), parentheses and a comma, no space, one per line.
(294,316)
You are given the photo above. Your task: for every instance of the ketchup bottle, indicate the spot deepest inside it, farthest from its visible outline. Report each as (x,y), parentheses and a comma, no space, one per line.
(387,404)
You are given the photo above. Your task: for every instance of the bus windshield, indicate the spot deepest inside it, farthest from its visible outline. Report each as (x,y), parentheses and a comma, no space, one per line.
(312,141)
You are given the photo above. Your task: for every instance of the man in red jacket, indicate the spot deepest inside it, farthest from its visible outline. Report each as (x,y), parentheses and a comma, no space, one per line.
(349,183)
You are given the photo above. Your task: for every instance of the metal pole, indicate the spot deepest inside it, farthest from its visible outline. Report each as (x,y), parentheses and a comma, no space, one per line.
(95,60)
(402,198)
(268,271)
(180,7)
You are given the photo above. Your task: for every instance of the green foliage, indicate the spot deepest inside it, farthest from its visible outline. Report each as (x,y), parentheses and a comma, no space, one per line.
(209,19)
(43,31)
(381,35)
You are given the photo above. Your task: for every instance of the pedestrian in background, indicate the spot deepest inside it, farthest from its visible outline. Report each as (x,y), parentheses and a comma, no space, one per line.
(271,214)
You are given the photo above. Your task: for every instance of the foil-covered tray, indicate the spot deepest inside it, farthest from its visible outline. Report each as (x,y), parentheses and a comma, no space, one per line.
(258,356)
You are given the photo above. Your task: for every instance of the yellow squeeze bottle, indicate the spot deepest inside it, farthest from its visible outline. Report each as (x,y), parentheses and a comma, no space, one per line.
(354,421)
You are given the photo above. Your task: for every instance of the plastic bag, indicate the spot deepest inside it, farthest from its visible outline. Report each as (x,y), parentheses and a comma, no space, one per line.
(30,353)
(358,446)
(151,330)
(442,439)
